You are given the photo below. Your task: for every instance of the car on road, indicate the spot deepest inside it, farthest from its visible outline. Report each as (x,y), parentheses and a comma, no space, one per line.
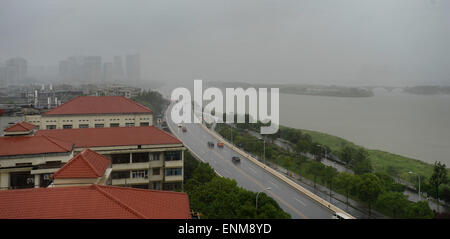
(184,129)
(339,215)
(210,144)
(236,159)
(220,144)
(179,125)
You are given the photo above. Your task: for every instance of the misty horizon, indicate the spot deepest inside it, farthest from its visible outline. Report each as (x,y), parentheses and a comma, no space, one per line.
(398,43)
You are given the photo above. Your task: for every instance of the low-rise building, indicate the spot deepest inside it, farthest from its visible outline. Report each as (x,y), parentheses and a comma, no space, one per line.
(144,157)
(30,161)
(21,128)
(93,202)
(86,168)
(94,112)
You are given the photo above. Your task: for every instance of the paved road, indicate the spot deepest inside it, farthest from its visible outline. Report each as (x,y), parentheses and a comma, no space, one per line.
(247,174)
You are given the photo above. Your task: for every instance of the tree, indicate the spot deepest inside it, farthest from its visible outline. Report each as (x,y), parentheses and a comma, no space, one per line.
(445,193)
(369,187)
(346,155)
(329,173)
(393,202)
(315,168)
(361,163)
(346,182)
(419,210)
(439,177)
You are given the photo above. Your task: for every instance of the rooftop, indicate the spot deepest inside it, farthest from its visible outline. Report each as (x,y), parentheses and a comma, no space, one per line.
(20,127)
(87,164)
(99,105)
(93,202)
(25,145)
(104,137)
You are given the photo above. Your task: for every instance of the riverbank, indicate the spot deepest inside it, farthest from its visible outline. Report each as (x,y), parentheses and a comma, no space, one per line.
(395,165)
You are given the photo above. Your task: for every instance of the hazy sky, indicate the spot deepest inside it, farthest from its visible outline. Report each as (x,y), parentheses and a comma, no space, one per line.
(393,42)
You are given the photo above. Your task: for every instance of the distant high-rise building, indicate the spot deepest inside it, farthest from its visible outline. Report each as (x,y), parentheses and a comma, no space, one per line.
(118,72)
(16,71)
(92,69)
(133,65)
(82,69)
(107,71)
(3,77)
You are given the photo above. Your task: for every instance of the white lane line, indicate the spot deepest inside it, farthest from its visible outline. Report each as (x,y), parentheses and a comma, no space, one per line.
(300,201)
(274,184)
(253,170)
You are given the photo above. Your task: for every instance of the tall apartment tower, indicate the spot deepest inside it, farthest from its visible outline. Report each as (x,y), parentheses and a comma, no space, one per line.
(117,69)
(16,71)
(133,65)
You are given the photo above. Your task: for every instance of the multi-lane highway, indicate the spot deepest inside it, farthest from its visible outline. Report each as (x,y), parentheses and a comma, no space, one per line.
(247,174)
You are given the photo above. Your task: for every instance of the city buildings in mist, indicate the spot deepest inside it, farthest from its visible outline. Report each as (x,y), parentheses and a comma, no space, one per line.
(91,69)
(73,70)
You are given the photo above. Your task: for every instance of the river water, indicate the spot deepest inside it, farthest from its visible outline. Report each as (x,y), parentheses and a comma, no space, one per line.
(416,126)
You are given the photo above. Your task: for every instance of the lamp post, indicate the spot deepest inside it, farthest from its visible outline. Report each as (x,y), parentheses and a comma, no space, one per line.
(264,149)
(257,197)
(419,181)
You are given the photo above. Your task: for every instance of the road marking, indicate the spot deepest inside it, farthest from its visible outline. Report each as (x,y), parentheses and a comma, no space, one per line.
(253,170)
(300,201)
(274,184)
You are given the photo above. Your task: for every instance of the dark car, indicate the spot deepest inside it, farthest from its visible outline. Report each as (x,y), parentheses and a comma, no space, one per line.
(236,159)
(210,144)
(184,129)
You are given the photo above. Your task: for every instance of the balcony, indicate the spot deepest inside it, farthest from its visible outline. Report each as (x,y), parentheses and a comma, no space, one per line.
(129,181)
(174,163)
(174,178)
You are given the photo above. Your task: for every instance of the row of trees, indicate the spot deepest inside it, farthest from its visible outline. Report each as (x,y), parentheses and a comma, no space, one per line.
(216,197)
(152,99)
(378,190)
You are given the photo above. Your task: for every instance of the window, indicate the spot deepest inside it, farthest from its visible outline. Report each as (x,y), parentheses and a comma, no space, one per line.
(120,174)
(51,126)
(140,157)
(144,124)
(173,171)
(84,126)
(120,158)
(139,174)
(23,164)
(157,185)
(129,124)
(156,171)
(154,156)
(114,125)
(99,125)
(172,186)
(172,155)
(67,126)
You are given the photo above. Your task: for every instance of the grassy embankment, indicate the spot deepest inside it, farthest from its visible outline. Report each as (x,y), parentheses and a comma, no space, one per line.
(380,160)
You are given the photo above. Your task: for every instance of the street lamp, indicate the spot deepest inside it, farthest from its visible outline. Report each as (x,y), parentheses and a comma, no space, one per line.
(264,149)
(419,181)
(257,197)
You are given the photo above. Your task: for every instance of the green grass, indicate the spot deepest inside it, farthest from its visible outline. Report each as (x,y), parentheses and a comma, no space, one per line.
(381,161)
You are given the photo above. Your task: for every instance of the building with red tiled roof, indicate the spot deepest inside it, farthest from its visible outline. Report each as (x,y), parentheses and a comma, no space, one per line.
(87,167)
(29,161)
(144,157)
(21,128)
(122,136)
(94,112)
(93,202)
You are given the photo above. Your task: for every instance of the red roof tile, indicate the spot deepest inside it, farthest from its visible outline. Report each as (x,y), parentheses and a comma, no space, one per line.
(23,145)
(120,136)
(98,105)
(20,127)
(87,164)
(93,202)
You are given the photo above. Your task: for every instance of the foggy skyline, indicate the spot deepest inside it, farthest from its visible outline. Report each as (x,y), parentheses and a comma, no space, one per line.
(351,42)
